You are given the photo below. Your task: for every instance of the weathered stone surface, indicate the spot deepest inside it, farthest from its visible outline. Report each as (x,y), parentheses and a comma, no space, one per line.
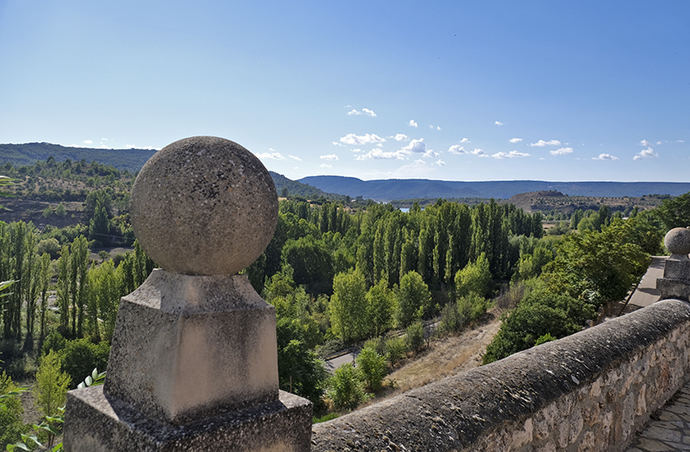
(186,346)
(97,423)
(677,241)
(642,355)
(204,206)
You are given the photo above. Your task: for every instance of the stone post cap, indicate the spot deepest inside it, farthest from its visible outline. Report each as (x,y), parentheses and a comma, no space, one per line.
(677,241)
(204,206)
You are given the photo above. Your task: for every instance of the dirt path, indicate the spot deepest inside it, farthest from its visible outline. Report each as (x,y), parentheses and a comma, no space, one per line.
(447,356)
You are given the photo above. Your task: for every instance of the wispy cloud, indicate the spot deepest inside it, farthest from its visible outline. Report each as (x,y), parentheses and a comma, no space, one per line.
(457,149)
(87,141)
(498,123)
(400,137)
(509,155)
(367,138)
(542,143)
(645,143)
(464,140)
(329,157)
(272,154)
(648,152)
(417,145)
(380,154)
(605,156)
(562,151)
(364,111)
(325,165)
(515,140)
(413,123)
(440,162)
(294,157)
(433,127)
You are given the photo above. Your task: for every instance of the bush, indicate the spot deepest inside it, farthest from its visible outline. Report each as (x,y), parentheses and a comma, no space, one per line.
(395,349)
(81,356)
(51,384)
(450,319)
(415,336)
(471,307)
(346,388)
(474,278)
(372,366)
(53,342)
(11,426)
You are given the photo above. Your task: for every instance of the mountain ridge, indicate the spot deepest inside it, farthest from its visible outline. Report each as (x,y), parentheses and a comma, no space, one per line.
(397,189)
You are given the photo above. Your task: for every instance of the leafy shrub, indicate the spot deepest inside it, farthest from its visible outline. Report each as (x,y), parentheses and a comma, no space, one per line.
(53,342)
(395,349)
(346,388)
(81,356)
(373,367)
(11,426)
(415,336)
(51,384)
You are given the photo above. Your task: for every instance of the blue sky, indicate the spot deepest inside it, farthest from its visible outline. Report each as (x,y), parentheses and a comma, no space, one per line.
(549,90)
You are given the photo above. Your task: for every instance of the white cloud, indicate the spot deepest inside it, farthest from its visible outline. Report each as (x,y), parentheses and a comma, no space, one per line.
(88,141)
(431,153)
(645,153)
(498,123)
(400,137)
(440,162)
(271,155)
(325,165)
(464,140)
(509,155)
(562,151)
(542,143)
(380,154)
(457,149)
(104,139)
(478,152)
(680,141)
(416,145)
(329,157)
(431,126)
(515,140)
(605,157)
(367,138)
(413,123)
(294,157)
(364,111)
(645,143)
(658,142)
(356,150)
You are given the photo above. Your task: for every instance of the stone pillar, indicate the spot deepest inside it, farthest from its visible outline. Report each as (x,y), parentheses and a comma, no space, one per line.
(676,280)
(193,362)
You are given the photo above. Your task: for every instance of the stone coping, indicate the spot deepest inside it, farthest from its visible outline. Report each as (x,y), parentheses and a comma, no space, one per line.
(462,411)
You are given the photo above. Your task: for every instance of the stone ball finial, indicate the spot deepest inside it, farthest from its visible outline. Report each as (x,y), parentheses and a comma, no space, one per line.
(677,241)
(204,206)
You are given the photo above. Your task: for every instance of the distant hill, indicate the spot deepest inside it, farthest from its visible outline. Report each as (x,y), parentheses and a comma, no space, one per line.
(26,154)
(130,160)
(555,201)
(394,189)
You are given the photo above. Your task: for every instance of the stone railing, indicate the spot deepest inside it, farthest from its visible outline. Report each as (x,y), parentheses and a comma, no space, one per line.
(588,391)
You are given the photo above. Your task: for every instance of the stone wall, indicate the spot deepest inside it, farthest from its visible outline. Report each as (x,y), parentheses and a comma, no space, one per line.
(589,391)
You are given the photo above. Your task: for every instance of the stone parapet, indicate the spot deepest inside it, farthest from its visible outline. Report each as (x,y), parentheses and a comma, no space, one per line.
(589,391)
(101,424)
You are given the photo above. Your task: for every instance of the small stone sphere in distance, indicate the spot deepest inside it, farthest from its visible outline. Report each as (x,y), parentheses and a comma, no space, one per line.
(204,206)
(677,241)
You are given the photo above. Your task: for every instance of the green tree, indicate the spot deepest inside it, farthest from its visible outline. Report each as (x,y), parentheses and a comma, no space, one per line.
(675,212)
(11,410)
(414,298)
(348,306)
(51,385)
(380,307)
(373,368)
(81,356)
(346,388)
(474,278)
